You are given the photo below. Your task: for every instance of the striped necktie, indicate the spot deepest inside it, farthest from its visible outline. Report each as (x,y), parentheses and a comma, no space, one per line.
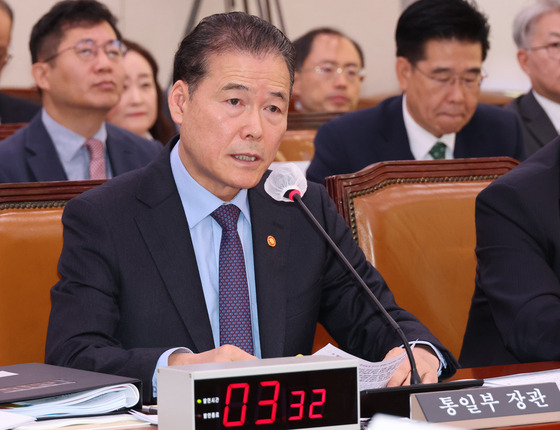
(97,168)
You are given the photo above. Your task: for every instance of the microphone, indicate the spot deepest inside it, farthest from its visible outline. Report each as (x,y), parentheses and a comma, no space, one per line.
(287,183)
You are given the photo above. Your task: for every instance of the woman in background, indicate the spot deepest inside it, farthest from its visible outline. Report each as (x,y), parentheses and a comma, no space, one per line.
(140,108)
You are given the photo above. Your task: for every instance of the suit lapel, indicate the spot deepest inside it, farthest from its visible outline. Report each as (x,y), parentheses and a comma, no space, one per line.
(270,258)
(41,155)
(536,120)
(164,228)
(393,130)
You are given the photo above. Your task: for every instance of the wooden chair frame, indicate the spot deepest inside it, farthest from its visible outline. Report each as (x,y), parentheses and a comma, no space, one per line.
(344,188)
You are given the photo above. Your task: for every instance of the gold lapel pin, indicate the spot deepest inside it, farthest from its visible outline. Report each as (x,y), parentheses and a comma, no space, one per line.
(271,241)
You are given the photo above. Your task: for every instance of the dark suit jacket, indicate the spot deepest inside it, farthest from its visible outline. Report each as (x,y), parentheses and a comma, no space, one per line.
(537,127)
(130,287)
(29,154)
(14,109)
(515,311)
(355,140)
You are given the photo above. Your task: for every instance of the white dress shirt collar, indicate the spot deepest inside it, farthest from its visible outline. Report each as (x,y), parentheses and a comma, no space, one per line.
(421,140)
(197,201)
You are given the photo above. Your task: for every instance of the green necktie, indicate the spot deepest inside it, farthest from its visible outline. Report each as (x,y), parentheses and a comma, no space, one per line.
(438,151)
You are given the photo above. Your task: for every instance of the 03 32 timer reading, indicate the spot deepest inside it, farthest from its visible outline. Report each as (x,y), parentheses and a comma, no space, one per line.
(305,395)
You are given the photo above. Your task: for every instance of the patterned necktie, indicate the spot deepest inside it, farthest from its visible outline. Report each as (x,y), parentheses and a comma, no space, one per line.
(234,309)
(438,151)
(96,159)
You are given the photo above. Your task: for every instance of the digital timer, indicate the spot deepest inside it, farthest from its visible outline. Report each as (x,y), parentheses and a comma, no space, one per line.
(313,392)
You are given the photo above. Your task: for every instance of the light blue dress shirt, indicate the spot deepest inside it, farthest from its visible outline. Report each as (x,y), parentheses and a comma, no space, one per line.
(70,148)
(206,234)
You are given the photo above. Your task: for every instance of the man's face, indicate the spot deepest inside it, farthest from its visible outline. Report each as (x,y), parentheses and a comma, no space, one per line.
(329,92)
(5,37)
(542,68)
(70,83)
(232,126)
(442,89)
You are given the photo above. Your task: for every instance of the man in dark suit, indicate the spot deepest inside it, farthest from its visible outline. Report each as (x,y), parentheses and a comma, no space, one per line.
(29,155)
(515,311)
(77,54)
(142,270)
(536,31)
(441,45)
(12,109)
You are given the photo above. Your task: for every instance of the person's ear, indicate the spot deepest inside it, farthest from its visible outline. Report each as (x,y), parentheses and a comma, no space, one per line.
(523,59)
(178,100)
(404,72)
(41,74)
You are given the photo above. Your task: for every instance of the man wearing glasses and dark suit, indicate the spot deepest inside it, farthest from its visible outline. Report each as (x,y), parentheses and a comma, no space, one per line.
(77,54)
(441,45)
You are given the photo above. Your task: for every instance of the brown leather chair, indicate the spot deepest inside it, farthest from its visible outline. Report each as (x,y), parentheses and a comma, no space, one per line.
(414,220)
(30,244)
(297,145)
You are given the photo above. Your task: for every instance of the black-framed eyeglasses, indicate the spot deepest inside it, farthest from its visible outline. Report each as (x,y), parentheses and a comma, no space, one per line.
(552,49)
(444,79)
(87,50)
(330,71)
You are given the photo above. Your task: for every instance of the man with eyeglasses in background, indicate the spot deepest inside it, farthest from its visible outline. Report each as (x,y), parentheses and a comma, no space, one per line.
(536,31)
(12,109)
(77,54)
(329,72)
(441,45)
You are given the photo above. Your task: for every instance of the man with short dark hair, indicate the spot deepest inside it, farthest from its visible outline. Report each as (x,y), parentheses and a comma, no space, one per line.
(536,31)
(189,260)
(77,54)
(329,72)
(441,45)
(12,109)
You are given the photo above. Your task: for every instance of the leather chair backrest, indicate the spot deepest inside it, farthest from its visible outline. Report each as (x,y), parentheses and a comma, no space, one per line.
(30,244)
(297,145)
(414,220)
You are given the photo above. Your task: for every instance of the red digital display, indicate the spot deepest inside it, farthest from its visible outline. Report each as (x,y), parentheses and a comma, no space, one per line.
(297,400)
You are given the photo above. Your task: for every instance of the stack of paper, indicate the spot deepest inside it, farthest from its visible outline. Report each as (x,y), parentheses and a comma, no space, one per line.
(91,402)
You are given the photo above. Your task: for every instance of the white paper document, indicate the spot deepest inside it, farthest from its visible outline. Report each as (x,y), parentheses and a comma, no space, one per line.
(524,379)
(104,422)
(372,375)
(149,418)
(9,420)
